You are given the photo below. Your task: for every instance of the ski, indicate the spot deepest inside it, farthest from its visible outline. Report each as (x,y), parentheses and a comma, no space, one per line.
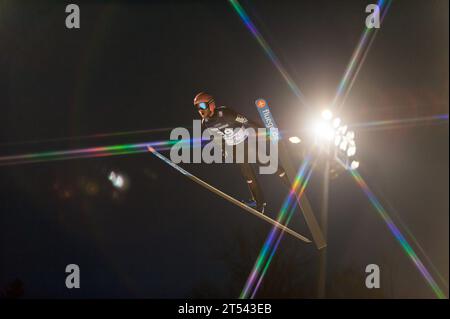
(304,204)
(228,197)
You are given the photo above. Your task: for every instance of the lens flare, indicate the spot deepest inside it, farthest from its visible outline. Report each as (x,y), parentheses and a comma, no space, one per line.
(270,246)
(401,123)
(90,152)
(117,180)
(267,49)
(397,234)
(358,57)
(280,236)
(86,137)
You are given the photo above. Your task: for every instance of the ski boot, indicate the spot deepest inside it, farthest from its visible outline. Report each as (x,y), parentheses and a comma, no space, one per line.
(253,204)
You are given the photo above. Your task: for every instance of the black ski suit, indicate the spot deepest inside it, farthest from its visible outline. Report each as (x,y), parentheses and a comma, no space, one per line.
(231,127)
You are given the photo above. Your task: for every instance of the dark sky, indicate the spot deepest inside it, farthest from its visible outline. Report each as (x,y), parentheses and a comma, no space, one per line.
(135,66)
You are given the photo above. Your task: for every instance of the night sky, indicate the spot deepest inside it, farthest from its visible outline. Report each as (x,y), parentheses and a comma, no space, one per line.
(137,66)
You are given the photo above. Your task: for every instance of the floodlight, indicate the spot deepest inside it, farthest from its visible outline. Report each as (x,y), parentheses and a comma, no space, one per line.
(327,114)
(350,135)
(336,122)
(337,140)
(342,129)
(324,130)
(354,165)
(295,139)
(351,151)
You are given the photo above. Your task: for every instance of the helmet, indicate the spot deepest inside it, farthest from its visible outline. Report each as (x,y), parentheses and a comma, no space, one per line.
(203,101)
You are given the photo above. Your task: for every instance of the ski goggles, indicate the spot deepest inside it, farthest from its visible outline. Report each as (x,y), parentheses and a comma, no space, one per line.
(202,105)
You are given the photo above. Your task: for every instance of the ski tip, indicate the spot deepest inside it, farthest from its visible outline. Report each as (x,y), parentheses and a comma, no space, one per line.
(151,149)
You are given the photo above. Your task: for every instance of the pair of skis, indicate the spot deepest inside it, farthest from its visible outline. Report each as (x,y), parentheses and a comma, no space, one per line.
(228,197)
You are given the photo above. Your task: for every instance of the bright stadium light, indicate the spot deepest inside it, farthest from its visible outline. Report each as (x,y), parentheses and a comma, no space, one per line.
(354,165)
(323,130)
(336,122)
(342,129)
(337,140)
(327,115)
(350,135)
(351,151)
(329,130)
(343,145)
(295,139)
